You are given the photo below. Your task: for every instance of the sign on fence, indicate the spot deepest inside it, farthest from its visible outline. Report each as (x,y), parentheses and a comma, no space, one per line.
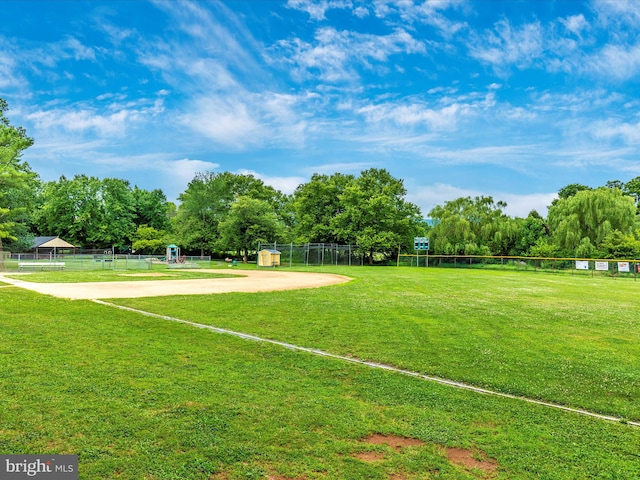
(623,266)
(582,265)
(602,266)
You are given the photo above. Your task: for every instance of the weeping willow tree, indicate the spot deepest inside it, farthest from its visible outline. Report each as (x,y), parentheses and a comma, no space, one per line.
(472,226)
(587,217)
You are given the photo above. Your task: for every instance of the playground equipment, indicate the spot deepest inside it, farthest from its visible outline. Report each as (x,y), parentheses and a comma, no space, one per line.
(173,254)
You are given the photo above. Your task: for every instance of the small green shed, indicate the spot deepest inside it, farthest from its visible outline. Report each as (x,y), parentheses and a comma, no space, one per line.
(268,258)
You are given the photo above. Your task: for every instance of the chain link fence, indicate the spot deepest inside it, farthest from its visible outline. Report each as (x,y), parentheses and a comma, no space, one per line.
(105,260)
(576,266)
(316,253)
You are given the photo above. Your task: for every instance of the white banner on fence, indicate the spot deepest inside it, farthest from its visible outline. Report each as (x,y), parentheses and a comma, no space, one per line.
(582,265)
(623,266)
(602,266)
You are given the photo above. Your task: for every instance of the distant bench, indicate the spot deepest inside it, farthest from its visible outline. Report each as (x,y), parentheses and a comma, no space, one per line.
(41,265)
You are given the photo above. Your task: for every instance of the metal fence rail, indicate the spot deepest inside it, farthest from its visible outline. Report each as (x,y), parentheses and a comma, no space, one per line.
(102,261)
(316,253)
(577,266)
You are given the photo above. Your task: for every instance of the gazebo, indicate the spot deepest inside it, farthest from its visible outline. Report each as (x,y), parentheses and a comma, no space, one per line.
(50,245)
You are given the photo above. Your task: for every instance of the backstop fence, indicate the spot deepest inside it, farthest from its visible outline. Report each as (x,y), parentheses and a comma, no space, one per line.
(316,253)
(578,266)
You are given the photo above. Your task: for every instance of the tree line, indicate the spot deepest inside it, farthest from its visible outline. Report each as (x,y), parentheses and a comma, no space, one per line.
(222,212)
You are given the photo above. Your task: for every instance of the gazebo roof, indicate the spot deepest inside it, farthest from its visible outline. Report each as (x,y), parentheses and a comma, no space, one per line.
(50,242)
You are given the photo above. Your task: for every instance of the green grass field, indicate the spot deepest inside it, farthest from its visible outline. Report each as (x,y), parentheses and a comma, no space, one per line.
(142,398)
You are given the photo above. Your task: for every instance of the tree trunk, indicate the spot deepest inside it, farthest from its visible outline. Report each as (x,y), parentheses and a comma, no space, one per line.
(371,257)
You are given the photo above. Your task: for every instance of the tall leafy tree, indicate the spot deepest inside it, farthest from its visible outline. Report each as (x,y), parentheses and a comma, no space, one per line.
(151,208)
(89,212)
(375,214)
(18,183)
(207,201)
(250,221)
(315,205)
(148,240)
(533,231)
(571,189)
(587,217)
(632,188)
(117,205)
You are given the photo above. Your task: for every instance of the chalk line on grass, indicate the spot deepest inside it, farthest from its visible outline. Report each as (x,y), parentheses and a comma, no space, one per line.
(380,366)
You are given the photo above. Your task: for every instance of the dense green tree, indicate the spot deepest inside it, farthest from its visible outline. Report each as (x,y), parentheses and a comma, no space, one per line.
(151,208)
(615,184)
(71,209)
(571,189)
(207,201)
(118,214)
(620,246)
(149,241)
(375,214)
(544,248)
(590,215)
(315,204)
(632,188)
(88,212)
(249,222)
(18,183)
(532,230)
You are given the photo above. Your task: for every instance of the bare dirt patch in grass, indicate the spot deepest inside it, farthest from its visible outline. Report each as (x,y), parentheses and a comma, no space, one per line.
(369,456)
(467,458)
(458,456)
(394,441)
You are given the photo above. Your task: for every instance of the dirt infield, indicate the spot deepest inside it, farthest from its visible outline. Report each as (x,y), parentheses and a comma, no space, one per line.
(246,281)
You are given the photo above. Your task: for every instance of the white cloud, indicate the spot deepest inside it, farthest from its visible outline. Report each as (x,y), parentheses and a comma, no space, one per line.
(286,185)
(77,50)
(228,121)
(506,46)
(430,12)
(413,115)
(335,54)
(7,70)
(217,31)
(518,205)
(576,24)
(620,62)
(317,8)
(628,133)
(112,120)
(626,12)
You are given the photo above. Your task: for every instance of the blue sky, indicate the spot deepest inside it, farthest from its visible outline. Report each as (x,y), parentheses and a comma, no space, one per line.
(513,99)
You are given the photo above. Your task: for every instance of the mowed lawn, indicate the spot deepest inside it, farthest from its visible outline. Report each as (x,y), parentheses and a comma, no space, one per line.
(573,340)
(141,398)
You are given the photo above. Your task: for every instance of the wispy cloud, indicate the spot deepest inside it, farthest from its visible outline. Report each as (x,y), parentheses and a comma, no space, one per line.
(318,8)
(430,12)
(114,120)
(335,56)
(507,46)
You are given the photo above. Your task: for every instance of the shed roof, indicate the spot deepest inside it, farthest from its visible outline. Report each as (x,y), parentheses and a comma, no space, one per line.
(270,250)
(50,242)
